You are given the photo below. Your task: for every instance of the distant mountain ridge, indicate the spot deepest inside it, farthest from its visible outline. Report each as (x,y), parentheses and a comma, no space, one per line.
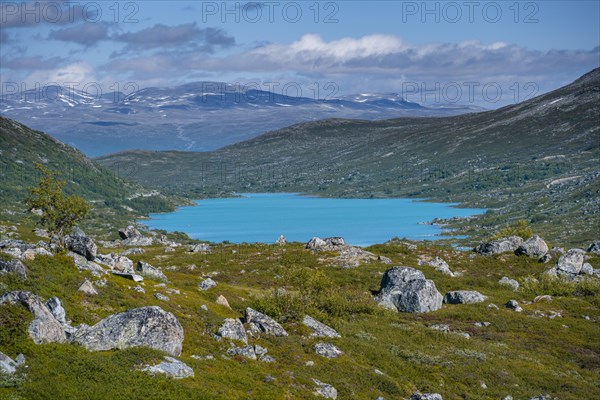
(538,160)
(199,116)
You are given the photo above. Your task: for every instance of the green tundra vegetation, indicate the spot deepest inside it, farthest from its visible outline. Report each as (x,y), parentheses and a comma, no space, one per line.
(550,348)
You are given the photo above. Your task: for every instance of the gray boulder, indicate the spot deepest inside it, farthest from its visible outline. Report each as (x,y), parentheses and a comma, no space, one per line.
(171,367)
(503,245)
(87,288)
(147,270)
(464,297)
(116,262)
(207,284)
(569,265)
(81,245)
(327,350)
(319,329)
(509,282)
(535,247)
(244,351)
(233,328)
(133,251)
(261,323)
(44,328)
(330,243)
(405,289)
(13,267)
(129,275)
(514,305)
(146,326)
(83,264)
(8,365)
(325,390)
(594,247)
(426,396)
(129,233)
(439,264)
(200,248)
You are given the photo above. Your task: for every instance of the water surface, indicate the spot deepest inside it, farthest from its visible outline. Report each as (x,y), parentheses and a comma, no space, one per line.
(262,217)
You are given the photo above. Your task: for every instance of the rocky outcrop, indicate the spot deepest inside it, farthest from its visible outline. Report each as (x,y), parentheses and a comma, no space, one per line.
(207,284)
(506,281)
(200,248)
(13,267)
(426,396)
(129,275)
(439,264)
(87,288)
(233,328)
(83,264)
(569,265)
(8,365)
(80,244)
(327,350)
(261,323)
(171,367)
(319,329)
(44,328)
(594,247)
(147,270)
(405,289)
(244,351)
(534,247)
(331,243)
(129,233)
(147,326)
(281,240)
(464,297)
(116,262)
(325,390)
(352,256)
(503,245)
(56,308)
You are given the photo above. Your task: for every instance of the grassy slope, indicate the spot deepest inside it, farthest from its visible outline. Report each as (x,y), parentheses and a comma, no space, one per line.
(20,147)
(504,159)
(519,353)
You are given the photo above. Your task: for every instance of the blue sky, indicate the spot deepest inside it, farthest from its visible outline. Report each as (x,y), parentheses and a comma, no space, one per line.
(447,49)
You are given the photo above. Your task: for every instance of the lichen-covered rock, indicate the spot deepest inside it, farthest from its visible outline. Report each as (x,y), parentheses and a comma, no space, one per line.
(535,247)
(44,328)
(244,351)
(200,248)
(147,270)
(13,267)
(506,281)
(172,367)
(331,243)
(327,350)
(129,233)
(8,365)
(426,396)
(439,264)
(261,323)
(87,288)
(56,308)
(405,289)
(83,264)
(325,390)
(319,329)
(464,297)
(233,328)
(569,265)
(207,284)
(222,300)
(116,262)
(503,245)
(146,326)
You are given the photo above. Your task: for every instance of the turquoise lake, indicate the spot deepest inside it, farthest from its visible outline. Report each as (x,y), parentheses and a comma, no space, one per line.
(262,217)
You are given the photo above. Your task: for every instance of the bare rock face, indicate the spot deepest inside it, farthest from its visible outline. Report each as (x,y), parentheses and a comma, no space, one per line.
(504,245)
(405,289)
(535,247)
(261,323)
(146,326)
(44,328)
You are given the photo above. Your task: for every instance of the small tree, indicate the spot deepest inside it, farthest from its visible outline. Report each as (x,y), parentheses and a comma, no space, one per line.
(520,228)
(60,213)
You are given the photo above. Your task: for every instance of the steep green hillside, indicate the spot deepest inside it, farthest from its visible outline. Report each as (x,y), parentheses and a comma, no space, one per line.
(537,160)
(114,199)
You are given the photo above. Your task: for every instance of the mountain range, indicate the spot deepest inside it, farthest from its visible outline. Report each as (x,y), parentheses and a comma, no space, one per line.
(537,160)
(200,116)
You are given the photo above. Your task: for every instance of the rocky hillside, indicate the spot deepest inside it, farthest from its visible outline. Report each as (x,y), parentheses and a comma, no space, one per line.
(114,199)
(146,317)
(537,160)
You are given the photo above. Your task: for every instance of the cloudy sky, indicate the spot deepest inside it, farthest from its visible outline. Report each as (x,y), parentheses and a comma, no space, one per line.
(485,53)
